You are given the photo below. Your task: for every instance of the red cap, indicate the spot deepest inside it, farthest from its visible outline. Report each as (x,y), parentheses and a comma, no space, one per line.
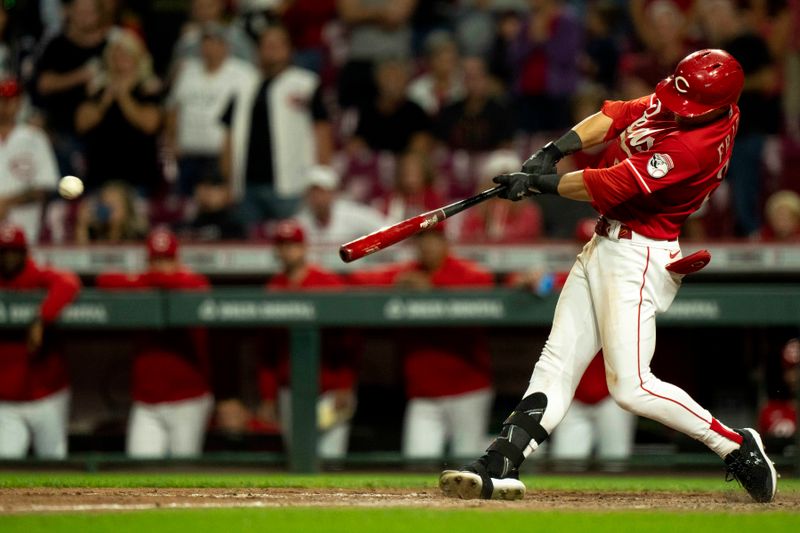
(9,88)
(289,231)
(12,236)
(703,81)
(162,243)
(791,354)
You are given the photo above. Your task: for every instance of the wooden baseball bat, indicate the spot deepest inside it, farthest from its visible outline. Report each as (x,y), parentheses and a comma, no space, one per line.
(385,237)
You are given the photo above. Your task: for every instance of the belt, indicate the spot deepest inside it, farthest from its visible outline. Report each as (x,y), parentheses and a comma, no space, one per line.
(603,227)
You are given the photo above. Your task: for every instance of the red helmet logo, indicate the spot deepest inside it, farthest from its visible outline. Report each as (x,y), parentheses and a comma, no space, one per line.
(703,81)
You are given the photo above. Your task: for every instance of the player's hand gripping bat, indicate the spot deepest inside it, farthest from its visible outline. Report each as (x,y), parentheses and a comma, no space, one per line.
(385,237)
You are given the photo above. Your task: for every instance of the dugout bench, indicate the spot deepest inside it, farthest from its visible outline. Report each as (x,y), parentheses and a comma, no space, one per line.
(697,305)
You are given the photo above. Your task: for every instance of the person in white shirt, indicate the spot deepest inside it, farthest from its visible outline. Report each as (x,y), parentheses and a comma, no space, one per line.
(443,83)
(329,219)
(203,88)
(28,168)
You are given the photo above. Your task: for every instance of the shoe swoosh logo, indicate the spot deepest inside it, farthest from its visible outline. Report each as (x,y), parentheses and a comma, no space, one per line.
(674,255)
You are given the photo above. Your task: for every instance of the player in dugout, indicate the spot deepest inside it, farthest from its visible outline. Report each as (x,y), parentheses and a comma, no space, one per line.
(666,153)
(447,370)
(34,386)
(169,385)
(340,350)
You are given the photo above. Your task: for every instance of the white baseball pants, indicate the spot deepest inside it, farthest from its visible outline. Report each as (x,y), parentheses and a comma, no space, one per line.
(43,422)
(168,429)
(610,301)
(463,420)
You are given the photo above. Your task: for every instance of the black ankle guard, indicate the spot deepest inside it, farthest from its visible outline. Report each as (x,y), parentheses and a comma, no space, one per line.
(505,455)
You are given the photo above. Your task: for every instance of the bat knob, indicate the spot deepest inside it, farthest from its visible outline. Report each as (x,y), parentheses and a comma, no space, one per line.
(346,253)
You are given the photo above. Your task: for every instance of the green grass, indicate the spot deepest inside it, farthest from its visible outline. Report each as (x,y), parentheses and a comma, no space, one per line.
(396,520)
(481,519)
(356,481)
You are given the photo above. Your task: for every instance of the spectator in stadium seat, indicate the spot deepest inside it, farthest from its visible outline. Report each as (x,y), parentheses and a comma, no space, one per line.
(728,28)
(391,122)
(68,63)
(112,216)
(378,30)
(414,190)
(783,217)
(34,386)
(481,121)
(545,56)
(28,169)
(276,128)
(121,117)
(447,370)
(172,402)
(328,218)
(202,13)
(307,22)
(662,27)
(443,82)
(214,217)
(495,221)
(339,351)
(203,87)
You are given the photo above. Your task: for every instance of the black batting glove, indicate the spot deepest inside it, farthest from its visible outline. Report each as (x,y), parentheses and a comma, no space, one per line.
(543,161)
(518,185)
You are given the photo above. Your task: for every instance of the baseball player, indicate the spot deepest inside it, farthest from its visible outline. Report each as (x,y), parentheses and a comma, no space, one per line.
(337,400)
(34,387)
(667,153)
(169,384)
(446,369)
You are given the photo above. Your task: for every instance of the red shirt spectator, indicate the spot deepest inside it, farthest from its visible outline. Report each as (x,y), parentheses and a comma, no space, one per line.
(438,361)
(30,369)
(172,365)
(337,369)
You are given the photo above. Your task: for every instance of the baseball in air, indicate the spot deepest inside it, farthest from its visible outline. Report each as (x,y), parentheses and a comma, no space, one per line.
(70,187)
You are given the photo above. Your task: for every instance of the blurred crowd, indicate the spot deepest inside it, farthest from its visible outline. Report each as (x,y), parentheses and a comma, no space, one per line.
(218,118)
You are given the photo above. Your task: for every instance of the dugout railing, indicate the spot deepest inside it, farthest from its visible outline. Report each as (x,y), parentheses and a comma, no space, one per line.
(697,305)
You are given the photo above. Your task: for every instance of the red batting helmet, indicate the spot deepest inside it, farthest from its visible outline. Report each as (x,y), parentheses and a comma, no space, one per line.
(703,81)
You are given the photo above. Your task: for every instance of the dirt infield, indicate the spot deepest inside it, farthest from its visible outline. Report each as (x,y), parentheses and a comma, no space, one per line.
(96,500)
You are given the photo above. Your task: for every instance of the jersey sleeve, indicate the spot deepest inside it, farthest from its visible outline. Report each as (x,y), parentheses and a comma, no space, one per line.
(643,173)
(623,113)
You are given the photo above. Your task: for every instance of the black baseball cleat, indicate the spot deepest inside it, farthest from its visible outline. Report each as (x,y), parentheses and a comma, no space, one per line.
(750,466)
(474,482)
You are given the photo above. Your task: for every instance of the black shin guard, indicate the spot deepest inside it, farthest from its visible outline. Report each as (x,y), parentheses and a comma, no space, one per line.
(506,453)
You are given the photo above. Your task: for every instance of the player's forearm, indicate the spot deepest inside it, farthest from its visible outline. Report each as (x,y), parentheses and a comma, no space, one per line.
(572,186)
(592,130)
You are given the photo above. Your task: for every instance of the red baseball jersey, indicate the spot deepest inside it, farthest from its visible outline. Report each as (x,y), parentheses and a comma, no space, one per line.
(658,172)
(339,348)
(23,376)
(441,361)
(171,365)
